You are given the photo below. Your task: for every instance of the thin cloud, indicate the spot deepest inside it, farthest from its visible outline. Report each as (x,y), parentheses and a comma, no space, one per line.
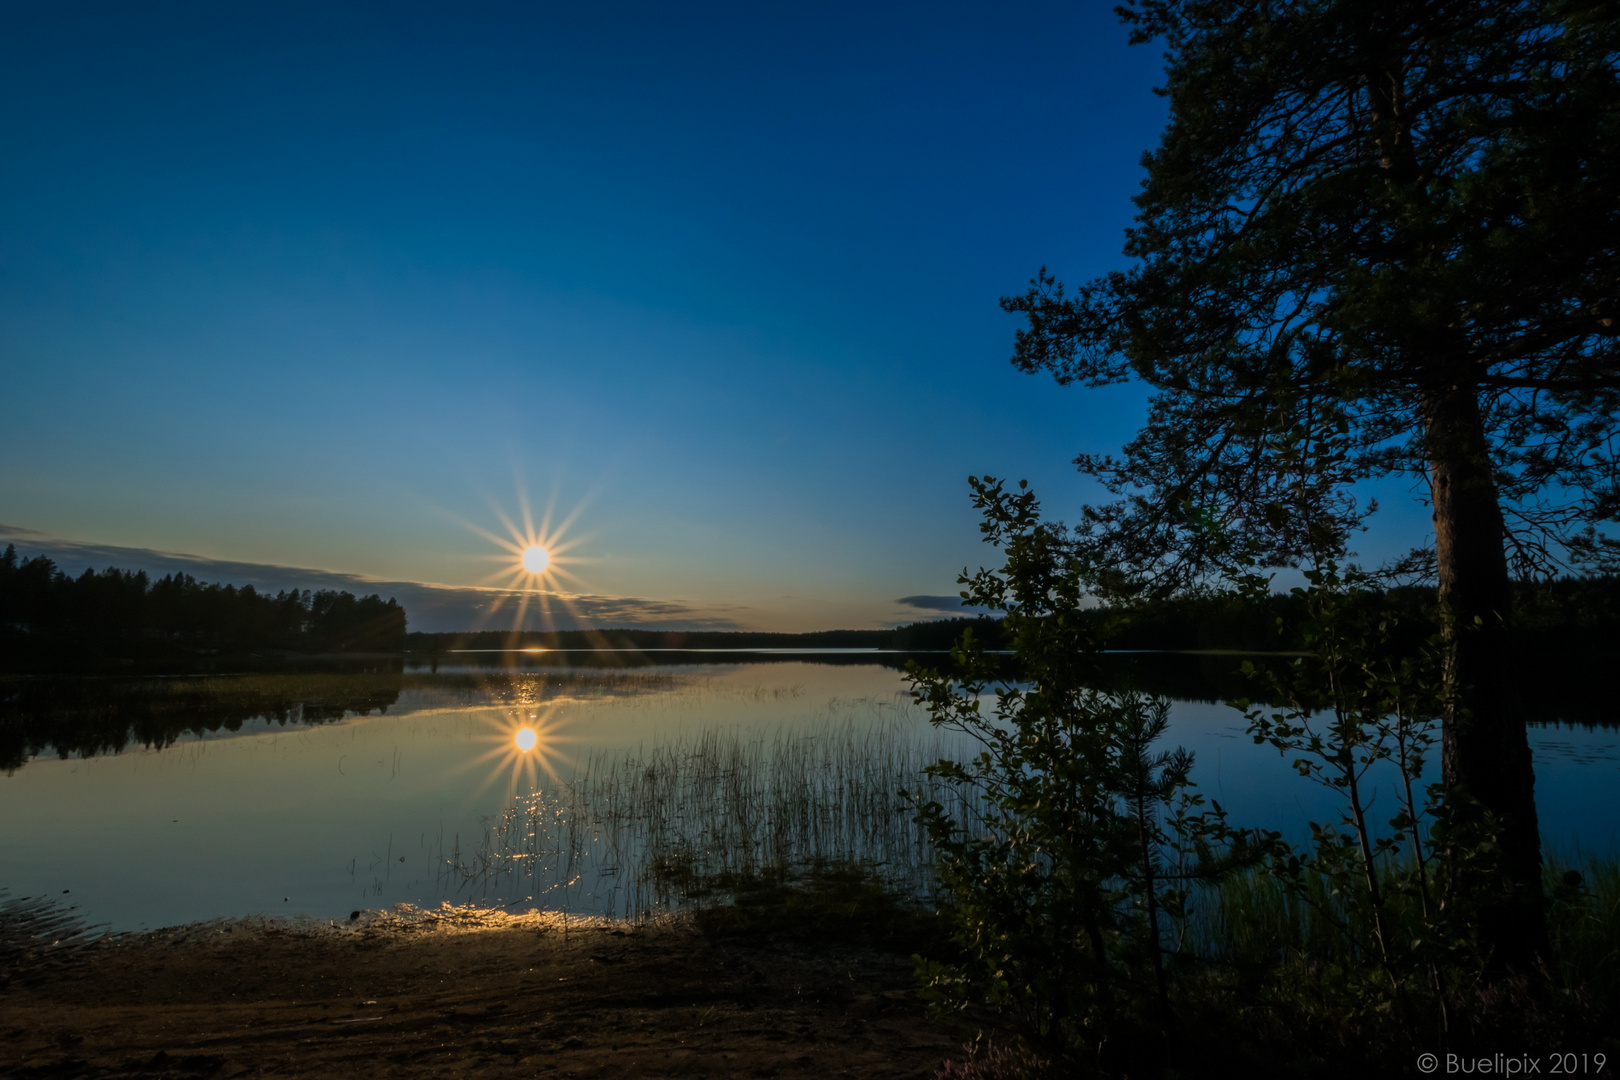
(952,604)
(430,606)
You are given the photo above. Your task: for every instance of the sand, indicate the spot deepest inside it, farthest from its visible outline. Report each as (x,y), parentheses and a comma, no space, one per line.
(467,992)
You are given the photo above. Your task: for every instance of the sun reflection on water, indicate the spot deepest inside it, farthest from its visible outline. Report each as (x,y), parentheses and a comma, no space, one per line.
(523,743)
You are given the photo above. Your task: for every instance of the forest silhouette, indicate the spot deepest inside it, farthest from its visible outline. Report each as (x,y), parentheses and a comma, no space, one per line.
(47,616)
(1572,616)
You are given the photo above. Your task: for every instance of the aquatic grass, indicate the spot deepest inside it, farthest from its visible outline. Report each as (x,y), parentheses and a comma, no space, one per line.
(1255,918)
(1275,961)
(39,938)
(1583,921)
(683,820)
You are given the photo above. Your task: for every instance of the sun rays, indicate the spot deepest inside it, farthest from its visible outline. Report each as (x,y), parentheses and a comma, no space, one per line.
(532,581)
(523,743)
(534,562)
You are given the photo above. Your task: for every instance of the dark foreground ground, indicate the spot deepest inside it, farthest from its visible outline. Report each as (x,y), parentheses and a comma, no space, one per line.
(467,993)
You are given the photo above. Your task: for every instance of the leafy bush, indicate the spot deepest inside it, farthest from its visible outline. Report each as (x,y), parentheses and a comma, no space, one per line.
(1114,921)
(1069,874)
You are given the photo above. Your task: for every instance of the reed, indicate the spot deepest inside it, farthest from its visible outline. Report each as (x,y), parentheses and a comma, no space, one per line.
(1583,921)
(39,938)
(678,821)
(1254,918)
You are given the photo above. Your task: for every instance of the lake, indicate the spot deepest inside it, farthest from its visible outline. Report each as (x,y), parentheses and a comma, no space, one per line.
(151,802)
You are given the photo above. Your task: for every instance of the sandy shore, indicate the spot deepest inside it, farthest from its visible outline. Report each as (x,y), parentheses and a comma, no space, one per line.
(467,992)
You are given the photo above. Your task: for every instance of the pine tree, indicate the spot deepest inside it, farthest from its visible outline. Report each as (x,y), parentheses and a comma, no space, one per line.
(1378,237)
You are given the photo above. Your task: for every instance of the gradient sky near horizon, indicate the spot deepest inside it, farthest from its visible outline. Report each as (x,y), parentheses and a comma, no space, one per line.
(323,285)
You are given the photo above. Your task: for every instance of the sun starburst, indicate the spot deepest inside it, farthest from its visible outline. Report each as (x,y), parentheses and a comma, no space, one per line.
(523,743)
(535,563)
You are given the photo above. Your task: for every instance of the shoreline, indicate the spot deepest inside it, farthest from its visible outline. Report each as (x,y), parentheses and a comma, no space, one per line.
(468,991)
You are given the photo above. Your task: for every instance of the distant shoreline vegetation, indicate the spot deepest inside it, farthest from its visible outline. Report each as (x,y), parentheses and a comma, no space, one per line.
(51,620)
(938,634)
(1563,617)
(48,618)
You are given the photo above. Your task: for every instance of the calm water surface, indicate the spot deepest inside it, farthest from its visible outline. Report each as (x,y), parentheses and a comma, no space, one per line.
(321,810)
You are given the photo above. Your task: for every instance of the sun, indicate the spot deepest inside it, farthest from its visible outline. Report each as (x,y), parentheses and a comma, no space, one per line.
(535,562)
(536,559)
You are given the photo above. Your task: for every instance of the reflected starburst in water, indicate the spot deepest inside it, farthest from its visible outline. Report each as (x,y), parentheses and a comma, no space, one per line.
(523,743)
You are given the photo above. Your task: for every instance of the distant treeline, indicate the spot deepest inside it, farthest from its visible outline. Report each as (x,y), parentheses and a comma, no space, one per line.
(44,612)
(921,636)
(1566,616)
(1562,617)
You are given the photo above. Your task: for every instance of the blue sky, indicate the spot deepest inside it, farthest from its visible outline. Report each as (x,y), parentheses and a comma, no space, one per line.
(325,286)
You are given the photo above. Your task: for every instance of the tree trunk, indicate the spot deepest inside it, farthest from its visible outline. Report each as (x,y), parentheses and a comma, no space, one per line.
(1485,751)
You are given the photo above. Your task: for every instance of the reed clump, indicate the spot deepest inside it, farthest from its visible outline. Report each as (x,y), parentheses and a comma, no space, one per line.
(706,817)
(39,939)
(1278,972)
